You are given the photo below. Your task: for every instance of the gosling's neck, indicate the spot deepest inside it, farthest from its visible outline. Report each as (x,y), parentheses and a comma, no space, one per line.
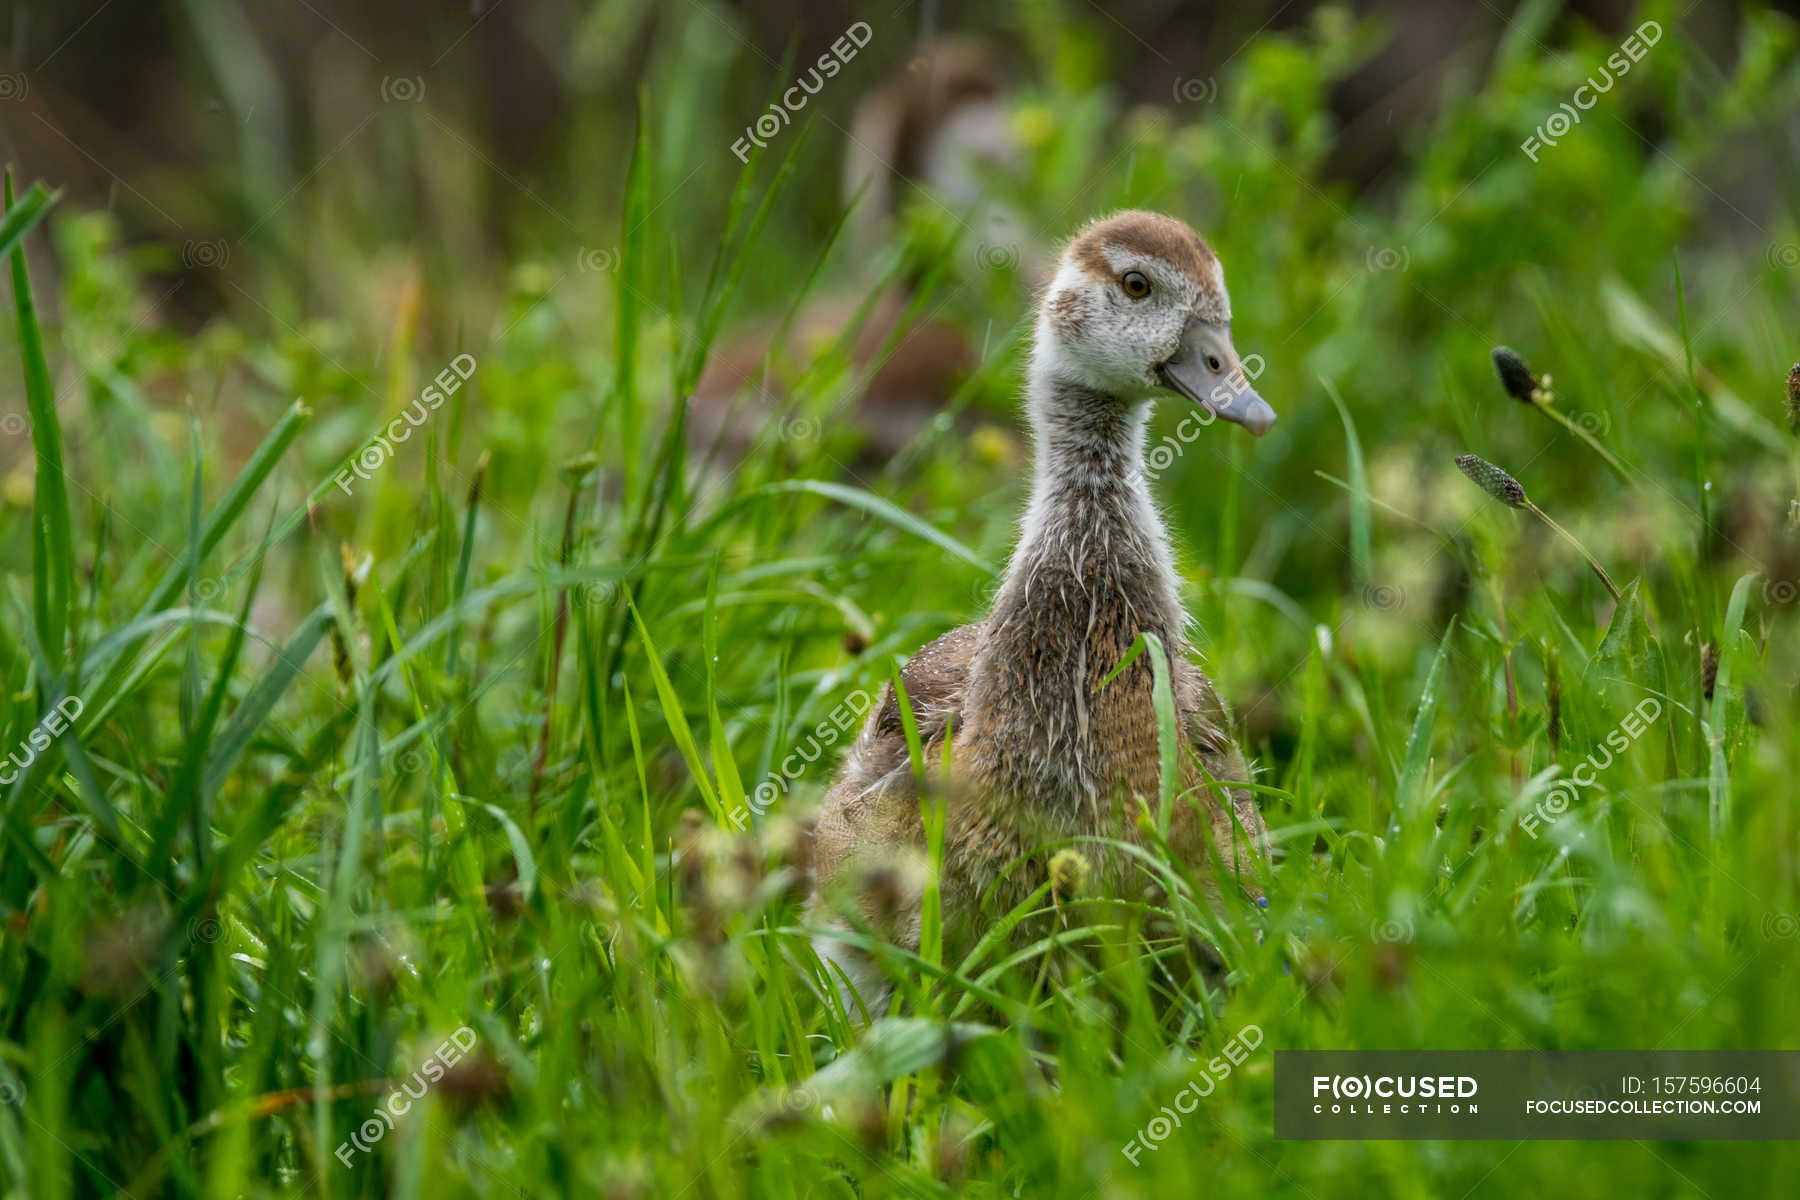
(1090,512)
(1091,572)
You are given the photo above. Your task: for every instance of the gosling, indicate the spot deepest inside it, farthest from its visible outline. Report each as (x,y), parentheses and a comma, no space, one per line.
(1043,747)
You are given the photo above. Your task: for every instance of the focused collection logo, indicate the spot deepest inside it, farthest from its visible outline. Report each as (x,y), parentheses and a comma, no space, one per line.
(1496,1095)
(1380,1095)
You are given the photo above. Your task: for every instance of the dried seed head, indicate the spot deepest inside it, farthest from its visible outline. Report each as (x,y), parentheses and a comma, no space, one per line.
(626,1180)
(953,1148)
(865,1119)
(479,1079)
(1515,376)
(121,953)
(689,847)
(577,471)
(374,966)
(787,839)
(1492,480)
(1793,397)
(893,890)
(778,1111)
(1390,963)
(1709,670)
(1068,872)
(1319,970)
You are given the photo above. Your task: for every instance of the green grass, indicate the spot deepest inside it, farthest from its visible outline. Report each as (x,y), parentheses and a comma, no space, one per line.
(461,748)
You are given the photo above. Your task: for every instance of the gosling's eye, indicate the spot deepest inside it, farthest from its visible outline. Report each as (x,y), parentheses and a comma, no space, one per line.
(1136,284)
(1213,364)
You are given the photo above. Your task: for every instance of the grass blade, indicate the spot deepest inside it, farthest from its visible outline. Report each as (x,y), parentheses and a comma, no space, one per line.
(677,720)
(23,216)
(872,504)
(52,541)
(1361,555)
(1411,793)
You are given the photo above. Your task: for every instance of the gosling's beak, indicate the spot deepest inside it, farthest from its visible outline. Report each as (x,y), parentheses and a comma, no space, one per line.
(1224,392)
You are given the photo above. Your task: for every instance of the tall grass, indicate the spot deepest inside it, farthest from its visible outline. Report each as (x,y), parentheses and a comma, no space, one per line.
(463,748)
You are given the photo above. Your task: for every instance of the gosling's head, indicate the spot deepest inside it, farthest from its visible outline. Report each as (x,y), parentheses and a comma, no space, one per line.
(1138,306)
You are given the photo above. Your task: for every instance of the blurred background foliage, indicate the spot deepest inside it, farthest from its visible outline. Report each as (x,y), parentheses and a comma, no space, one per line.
(325,202)
(680,406)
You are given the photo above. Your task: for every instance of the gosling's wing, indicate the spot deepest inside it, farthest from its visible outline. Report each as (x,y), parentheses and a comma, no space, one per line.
(1207,724)
(870,801)
(936,679)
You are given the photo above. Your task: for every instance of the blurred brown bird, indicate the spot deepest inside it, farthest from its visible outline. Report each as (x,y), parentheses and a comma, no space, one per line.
(937,129)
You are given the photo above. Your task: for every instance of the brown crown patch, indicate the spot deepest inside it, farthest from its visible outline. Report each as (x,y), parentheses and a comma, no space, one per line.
(1145,233)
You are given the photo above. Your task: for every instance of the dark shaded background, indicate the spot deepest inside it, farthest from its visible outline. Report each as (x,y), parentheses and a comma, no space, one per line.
(195,122)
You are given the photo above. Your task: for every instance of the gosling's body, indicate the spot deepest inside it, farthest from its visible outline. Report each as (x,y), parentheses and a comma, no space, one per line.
(1042,751)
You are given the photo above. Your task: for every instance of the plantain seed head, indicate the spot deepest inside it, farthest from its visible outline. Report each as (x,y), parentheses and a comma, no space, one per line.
(1492,480)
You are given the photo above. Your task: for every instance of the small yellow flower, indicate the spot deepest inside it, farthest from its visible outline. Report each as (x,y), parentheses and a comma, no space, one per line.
(993,448)
(170,426)
(1147,123)
(1033,125)
(19,488)
(532,278)
(1068,872)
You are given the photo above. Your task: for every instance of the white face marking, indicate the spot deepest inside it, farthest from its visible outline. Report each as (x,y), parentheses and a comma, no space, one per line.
(1092,332)
(1221,313)
(1068,305)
